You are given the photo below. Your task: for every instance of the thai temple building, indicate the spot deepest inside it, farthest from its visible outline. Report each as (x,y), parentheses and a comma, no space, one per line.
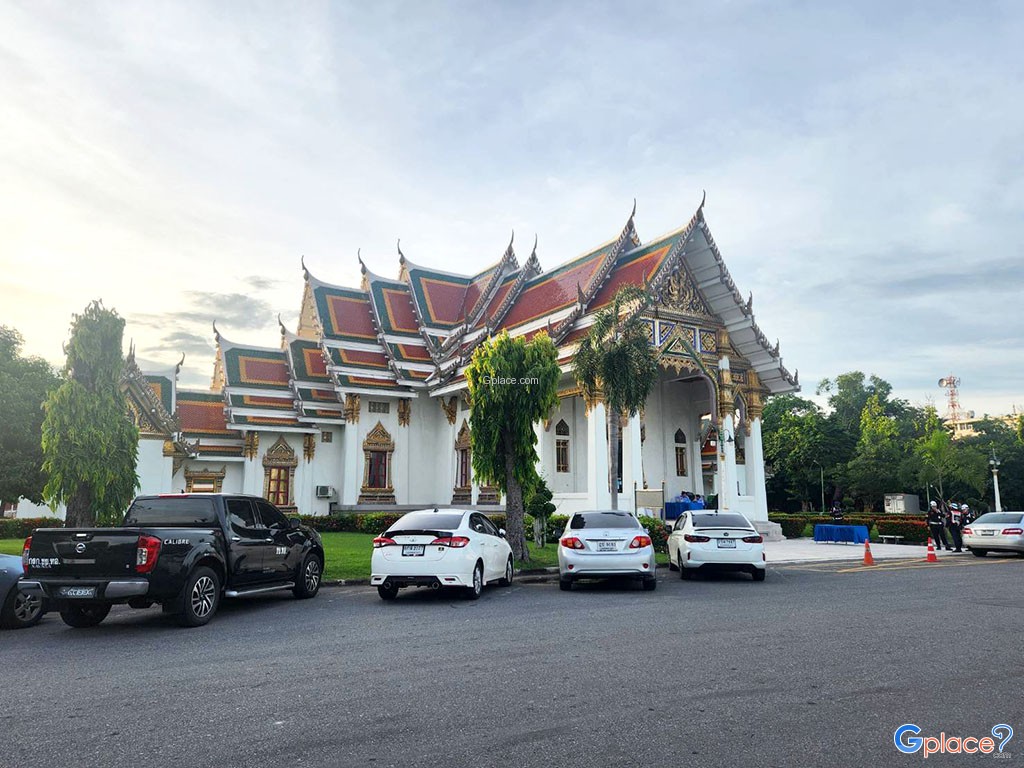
(364,406)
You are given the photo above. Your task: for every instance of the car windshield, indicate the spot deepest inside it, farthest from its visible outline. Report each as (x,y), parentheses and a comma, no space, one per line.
(720,521)
(429,521)
(1000,518)
(180,510)
(603,520)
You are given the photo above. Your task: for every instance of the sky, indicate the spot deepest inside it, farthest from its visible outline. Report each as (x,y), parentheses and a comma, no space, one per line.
(863,163)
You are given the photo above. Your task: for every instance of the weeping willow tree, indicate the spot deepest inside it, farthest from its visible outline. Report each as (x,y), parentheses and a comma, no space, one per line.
(615,360)
(513,384)
(89,442)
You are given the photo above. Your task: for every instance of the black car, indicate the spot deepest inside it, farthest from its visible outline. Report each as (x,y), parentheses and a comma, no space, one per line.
(181,551)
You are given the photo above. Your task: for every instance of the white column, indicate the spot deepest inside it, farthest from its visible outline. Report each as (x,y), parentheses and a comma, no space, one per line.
(352,463)
(755,458)
(727,490)
(598,493)
(542,449)
(632,467)
(252,471)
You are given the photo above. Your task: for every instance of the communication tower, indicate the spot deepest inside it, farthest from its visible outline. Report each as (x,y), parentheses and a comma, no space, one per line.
(950,384)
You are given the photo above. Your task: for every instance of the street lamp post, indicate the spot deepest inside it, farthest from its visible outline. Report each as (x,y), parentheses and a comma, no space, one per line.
(993,464)
(821,477)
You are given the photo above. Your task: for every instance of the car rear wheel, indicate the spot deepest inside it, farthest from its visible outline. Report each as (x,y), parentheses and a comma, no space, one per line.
(20,610)
(474,592)
(758,574)
(201,598)
(565,584)
(979,552)
(387,591)
(509,573)
(685,573)
(650,584)
(310,573)
(82,615)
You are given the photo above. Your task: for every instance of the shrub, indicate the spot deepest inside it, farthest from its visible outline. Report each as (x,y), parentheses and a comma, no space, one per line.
(555,525)
(912,531)
(792,528)
(13,528)
(656,528)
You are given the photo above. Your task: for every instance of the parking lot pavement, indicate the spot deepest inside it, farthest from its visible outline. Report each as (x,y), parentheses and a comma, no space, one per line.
(807,550)
(808,668)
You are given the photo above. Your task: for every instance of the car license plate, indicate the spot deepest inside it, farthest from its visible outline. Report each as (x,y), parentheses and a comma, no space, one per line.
(412,550)
(606,546)
(77,592)
(988,533)
(726,544)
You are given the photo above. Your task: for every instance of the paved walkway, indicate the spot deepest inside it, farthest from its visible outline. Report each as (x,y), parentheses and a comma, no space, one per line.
(807,550)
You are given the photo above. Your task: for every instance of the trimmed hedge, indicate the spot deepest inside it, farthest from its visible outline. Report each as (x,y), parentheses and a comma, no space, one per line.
(912,531)
(13,528)
(793,525)
(378,522)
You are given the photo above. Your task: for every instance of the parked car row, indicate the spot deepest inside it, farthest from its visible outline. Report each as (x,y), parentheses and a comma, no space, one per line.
(186,552)
(464,550)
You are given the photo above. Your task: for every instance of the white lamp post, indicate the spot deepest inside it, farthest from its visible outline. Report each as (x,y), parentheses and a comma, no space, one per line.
(993,464)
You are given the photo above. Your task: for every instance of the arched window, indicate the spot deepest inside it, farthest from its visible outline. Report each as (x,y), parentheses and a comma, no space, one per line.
(561,446)
(279,473)
(680,439)
(463,491)
(377,486)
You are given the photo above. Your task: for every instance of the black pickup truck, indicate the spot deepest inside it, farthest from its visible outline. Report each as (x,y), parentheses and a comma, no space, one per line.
(183,551)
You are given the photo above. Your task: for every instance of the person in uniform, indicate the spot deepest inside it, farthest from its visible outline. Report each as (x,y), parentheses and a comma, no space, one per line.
(935,525)
(955,526)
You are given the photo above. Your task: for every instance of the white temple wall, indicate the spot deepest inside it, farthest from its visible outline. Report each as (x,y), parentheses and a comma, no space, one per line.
(325,469)
(153,468)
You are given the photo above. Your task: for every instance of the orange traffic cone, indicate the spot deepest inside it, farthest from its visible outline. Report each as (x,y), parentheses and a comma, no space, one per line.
(931,552)
(868,559)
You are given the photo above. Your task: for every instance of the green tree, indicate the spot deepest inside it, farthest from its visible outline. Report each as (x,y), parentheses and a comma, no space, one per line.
(873,469)
(616,359)
(89,443)
(24,385)
(798,451)
(512,385)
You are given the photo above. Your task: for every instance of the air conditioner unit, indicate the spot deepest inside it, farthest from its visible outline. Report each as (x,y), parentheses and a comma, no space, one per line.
(324,492)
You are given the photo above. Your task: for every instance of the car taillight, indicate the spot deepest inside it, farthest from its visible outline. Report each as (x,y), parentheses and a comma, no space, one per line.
(146,553)
(753,539)
(639,542)
(571,542)
(383,541)
(1012,531)
(24,554)
(694,539)
(968,531)
(455,542)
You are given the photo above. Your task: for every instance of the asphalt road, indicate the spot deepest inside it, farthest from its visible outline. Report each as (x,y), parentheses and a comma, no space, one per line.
(813,667)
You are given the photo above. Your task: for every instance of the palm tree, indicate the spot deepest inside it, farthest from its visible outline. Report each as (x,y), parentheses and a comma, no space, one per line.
(616,359)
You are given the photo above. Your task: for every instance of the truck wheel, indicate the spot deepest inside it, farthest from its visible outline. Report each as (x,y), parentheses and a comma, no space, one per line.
(81,615)
(308,578)
(20,610)
(201,597)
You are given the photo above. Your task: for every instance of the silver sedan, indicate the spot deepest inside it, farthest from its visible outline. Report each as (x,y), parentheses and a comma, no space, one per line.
(605,544)
(995,532)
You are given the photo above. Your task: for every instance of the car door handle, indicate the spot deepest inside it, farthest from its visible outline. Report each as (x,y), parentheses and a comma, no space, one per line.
(236,538)
(269,541)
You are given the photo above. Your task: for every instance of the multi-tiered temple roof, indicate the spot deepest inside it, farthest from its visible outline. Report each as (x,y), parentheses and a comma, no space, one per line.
(413,335)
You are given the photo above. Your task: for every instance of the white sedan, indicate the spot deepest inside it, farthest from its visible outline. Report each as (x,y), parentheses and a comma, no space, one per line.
(440,548)
(605,544)
(715,541)
(995,532)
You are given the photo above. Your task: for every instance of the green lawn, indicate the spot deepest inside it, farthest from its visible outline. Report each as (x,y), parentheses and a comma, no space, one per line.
(11,546)
(348,554)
